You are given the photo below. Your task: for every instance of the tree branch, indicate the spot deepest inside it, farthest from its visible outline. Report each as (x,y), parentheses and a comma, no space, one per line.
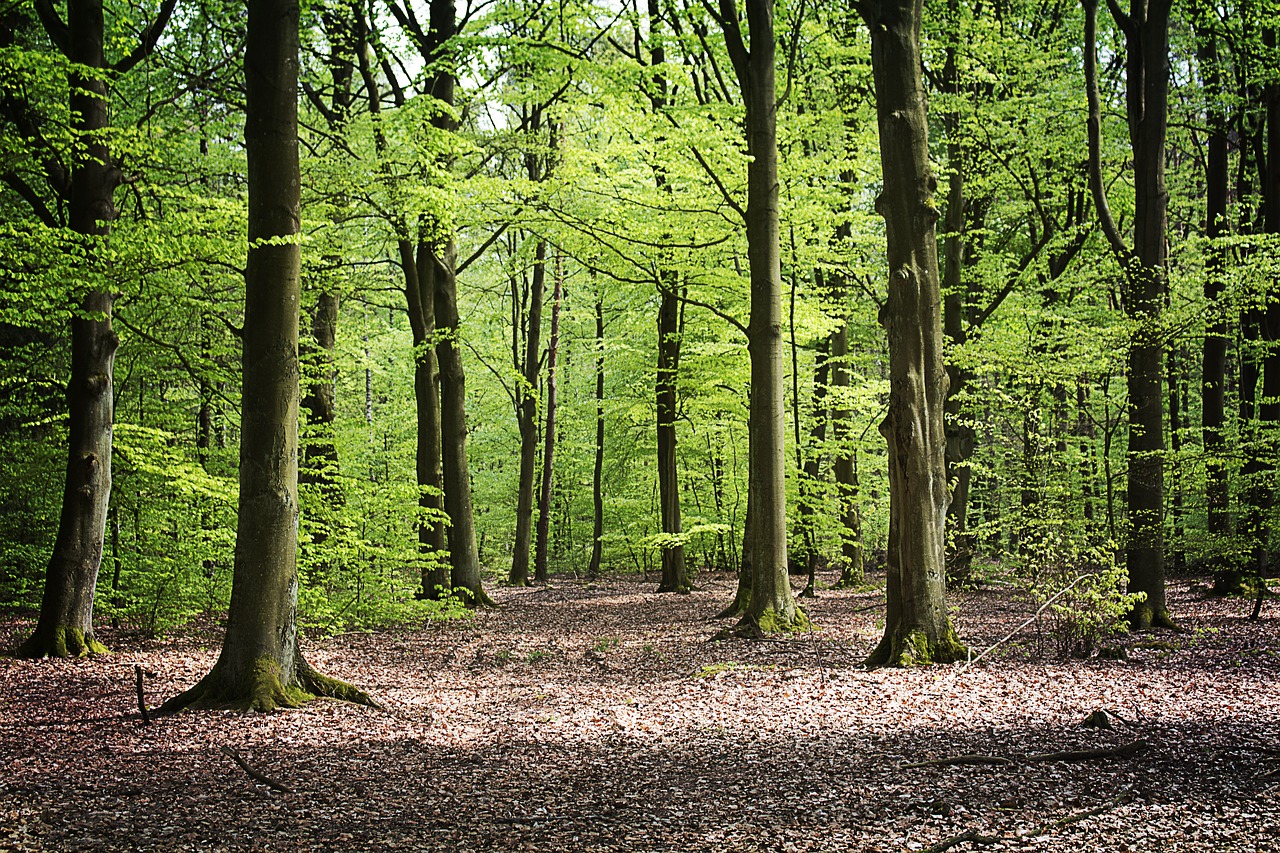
(147,39)
(1109,228)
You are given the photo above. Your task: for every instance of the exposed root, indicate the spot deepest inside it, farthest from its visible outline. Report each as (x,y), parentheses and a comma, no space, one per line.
(62,642)
(264,690)
(915,648)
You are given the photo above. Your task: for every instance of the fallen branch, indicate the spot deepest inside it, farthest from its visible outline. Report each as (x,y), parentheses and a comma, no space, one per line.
(142,697)
(967,835)
(1123,751)
(244,765)
(958,760)
(1123,797)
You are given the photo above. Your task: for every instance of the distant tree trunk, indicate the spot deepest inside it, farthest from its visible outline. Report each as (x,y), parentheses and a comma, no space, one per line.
(670,331)
(527,416)
(1228,577)
(1269,406)
(597,477)
(917,627)
(845,466)
(1146,30)
(540,568)
(772,606)
(65,624)
(261,666)
(320,455)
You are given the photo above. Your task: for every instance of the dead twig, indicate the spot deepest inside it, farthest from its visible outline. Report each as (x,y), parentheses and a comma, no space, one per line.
(968,835)
(264,779)
(1075,755)
(959,760)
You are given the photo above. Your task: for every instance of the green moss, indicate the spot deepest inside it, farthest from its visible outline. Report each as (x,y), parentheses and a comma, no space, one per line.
(65,642)
(916,649)
(773,622)
(267,691)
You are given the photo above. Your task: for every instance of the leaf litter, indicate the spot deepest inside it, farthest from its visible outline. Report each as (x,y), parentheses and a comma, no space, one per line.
(601,717)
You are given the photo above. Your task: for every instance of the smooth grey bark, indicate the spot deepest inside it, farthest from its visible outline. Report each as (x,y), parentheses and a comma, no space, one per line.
(1146,30)
(918,629)
(675,576)
(261,666)
(772,606)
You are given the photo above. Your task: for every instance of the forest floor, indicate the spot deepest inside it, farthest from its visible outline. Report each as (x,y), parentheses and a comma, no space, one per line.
(604,718)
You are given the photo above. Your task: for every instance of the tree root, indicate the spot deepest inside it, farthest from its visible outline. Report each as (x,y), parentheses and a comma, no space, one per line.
(63,641)
(1069,756)
(263,690)
(959,760)
(972,835)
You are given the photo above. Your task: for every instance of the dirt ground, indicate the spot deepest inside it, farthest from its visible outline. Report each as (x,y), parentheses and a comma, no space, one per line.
(603,718)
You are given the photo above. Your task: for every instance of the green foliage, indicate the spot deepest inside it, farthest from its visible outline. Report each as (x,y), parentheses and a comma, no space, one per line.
(1080,589)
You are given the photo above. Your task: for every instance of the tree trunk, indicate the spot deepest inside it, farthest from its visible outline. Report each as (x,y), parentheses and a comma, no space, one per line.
(540,569)
(65,625)
(917,627)
(670,323)
(597,476)
(772,606)
(527,417)
(1228,577)
(261,666)
(1147,88)
(845,466)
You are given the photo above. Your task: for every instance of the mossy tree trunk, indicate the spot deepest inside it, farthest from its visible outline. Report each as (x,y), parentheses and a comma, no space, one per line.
(65,624)
(772,606)
(918,629)
(260,666)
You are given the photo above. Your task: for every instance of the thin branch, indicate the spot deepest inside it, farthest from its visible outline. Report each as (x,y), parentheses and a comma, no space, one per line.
(1109,228)
(148,38)
(264,779)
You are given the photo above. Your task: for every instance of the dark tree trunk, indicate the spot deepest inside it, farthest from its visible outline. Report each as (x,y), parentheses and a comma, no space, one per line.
(261,666)
(65,625)
(917,627)
(527,416)
(1213,372)
(597,476)
(845,466)
(1146,29)
(670,331)
(772,606)
(540,569)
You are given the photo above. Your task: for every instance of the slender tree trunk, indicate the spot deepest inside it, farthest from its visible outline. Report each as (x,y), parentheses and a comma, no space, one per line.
(540,568)
(261,666)
(597,476)
(670,331)
(1146,29)
(845,466)
(65,625)
(772,606)
(527,418)
(1213,371)
(917,627)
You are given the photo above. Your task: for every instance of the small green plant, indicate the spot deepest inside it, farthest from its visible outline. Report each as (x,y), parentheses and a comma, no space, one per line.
(1080,590)
(502,657)
(537,655)
(604,644)
(711,670)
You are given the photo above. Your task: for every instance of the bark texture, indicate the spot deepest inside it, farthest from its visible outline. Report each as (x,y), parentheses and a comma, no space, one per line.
(527,407)
(1146,30)
(674,575)
(917,627)
(772,606)
(261,666)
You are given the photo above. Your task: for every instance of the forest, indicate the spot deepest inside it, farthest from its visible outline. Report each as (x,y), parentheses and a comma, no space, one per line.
(679,424)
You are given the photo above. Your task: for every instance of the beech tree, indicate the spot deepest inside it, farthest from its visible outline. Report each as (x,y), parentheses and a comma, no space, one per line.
(65,626)
(1146,31)
(917,627)
(261,665)
(772,606)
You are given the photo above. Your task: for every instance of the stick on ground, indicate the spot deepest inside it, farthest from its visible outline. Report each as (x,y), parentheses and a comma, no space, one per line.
(244,765)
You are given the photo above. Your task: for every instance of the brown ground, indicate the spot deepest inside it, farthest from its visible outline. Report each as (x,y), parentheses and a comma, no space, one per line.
(604,719)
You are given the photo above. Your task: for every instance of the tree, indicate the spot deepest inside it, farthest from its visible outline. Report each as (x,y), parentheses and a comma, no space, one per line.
(772,606)
(917,627)
(261,665)
(65,626)
(1146,30)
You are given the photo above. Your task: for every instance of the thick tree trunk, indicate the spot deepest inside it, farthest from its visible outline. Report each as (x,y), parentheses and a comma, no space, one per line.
(917,627)
(527,418)
(772,606)
(597,476)
(670,320)
(65,625)
(541,572)
(261,666)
